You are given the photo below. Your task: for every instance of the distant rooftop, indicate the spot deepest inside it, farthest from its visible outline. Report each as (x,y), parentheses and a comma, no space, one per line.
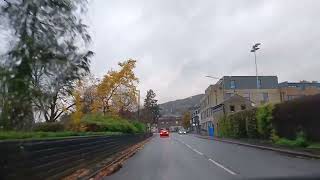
(249,82)
(301,84)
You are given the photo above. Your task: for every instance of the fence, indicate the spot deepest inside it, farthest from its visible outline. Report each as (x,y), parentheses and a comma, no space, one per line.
(53,159)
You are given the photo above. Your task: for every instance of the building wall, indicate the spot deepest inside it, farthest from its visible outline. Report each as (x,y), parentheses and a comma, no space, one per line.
(169,123)
(238,104)
(289,93)
(245,86)
(257,96)
(205,103)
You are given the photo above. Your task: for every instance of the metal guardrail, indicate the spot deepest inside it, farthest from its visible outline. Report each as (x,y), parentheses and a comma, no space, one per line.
(53,159)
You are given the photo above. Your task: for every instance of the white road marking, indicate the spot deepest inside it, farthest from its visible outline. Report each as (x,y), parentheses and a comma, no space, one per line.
(211,160)
(221,166)
(200,153)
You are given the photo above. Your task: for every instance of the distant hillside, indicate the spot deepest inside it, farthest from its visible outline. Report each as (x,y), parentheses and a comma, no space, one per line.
(177,107)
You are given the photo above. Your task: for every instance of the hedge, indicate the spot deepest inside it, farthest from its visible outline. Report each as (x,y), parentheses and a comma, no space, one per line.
(99,122)
(239,125)
(284,120)
(301,114)
(49,127)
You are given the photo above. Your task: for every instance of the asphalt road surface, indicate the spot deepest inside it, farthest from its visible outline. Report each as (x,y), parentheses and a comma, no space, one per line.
(185,157)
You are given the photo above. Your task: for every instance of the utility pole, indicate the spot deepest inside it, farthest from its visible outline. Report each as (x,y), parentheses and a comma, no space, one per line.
(138,105)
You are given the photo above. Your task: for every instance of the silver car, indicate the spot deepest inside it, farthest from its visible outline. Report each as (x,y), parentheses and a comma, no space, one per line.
(182,131)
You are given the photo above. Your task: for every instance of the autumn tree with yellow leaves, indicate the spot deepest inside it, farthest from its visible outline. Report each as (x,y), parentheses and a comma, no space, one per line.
(117,90)
(186,120)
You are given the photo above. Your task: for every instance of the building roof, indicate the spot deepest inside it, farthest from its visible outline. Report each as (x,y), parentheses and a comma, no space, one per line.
(250,82)
(301,84)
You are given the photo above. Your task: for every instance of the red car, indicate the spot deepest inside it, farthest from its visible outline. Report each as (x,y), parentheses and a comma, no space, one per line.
(164,133)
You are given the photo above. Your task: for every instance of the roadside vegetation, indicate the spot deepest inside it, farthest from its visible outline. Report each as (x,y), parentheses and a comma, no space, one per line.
(289,124)
(12,135)
(46,87)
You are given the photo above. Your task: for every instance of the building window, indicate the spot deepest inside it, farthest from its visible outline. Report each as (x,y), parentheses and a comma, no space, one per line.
(265,97)
(228,95)
(233,84)
(291,97)
(292,86)
(243,107)
(232,108)
(259,83)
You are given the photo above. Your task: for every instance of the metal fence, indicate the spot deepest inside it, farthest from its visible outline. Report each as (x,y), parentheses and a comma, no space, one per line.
(53,159)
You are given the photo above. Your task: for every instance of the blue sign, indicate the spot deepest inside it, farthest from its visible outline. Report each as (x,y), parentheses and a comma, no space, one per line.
(211,131)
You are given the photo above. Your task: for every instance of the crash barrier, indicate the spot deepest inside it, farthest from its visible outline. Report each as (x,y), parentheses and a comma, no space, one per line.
(56,158)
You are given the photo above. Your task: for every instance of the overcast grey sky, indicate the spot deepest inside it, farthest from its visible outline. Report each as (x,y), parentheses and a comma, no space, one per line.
(178,42)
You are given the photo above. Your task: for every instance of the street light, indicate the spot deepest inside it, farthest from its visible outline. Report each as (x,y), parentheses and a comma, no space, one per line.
(212,77)
(254,49)
(138,105)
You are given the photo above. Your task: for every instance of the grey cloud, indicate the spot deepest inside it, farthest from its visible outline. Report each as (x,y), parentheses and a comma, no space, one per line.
(178,42)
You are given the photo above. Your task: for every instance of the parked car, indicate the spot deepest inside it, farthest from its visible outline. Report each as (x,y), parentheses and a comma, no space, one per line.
(164,133)
(182,131)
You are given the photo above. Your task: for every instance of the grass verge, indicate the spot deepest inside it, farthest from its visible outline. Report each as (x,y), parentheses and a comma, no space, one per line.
(314,146)
(11,135)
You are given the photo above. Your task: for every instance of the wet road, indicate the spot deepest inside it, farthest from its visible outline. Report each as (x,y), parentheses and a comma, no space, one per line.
(185,157)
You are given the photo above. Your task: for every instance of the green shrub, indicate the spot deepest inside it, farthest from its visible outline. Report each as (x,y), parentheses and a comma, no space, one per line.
(99,122)
(285,142)
(300,141)
(264,117)
(140,126)
(274,137)
(224,127)
(242,124)
(49,127)
(251,123)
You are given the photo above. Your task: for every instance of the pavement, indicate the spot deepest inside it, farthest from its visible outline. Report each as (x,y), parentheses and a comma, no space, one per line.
(185,157)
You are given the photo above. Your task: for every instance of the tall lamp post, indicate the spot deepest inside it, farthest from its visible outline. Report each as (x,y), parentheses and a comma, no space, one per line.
(255,47)
(138,105)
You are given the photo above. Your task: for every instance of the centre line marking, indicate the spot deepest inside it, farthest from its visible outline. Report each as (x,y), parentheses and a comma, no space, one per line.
(221,166)
(200,153)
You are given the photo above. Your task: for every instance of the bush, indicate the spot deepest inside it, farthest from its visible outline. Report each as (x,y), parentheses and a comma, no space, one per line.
(238,125)
(224,127)
(300,141)
(264,117)
(98,122)
(242,124)
(274,137)
(49,127)
(140,126)
(251,123)
(298,115)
